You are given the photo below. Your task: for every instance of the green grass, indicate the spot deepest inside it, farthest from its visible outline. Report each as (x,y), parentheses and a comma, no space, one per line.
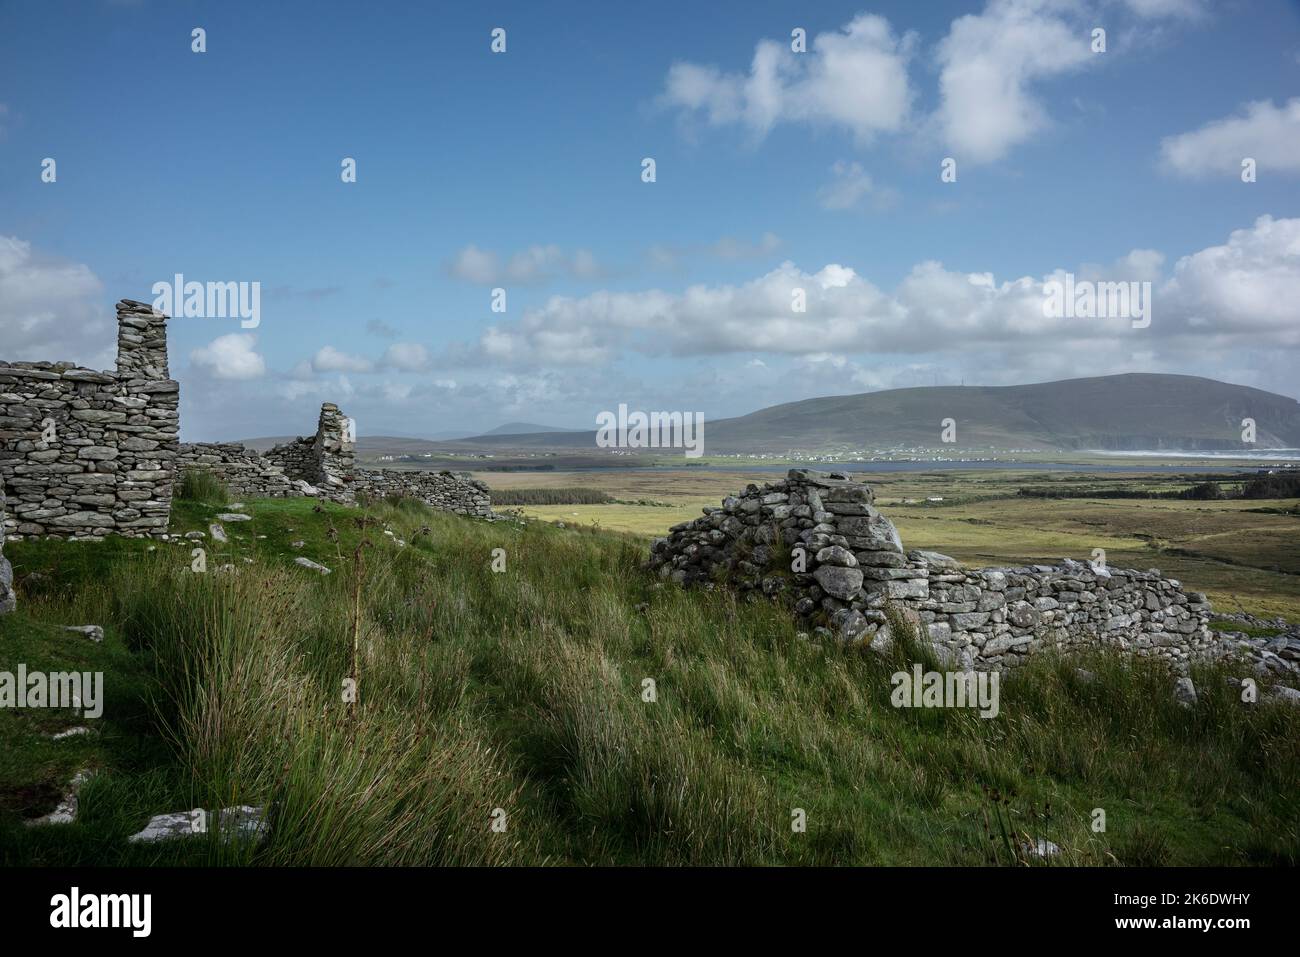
(524,691)
(200,485)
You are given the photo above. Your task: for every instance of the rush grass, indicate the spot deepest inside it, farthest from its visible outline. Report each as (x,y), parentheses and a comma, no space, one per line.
(570,709)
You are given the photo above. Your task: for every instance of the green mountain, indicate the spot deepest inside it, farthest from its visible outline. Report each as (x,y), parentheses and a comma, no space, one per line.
(1130,412)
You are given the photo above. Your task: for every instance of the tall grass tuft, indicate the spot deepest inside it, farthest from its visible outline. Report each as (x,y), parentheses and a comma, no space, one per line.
(200,485)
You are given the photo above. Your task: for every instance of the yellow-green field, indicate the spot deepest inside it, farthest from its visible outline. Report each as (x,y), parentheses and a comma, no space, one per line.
(1240,556)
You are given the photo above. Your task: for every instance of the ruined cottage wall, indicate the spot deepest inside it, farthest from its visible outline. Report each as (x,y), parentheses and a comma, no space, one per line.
(86,453)
(854,565)
(441,490)
(295,459)
(242,470)
(334,449)
(326,463)
(326,459)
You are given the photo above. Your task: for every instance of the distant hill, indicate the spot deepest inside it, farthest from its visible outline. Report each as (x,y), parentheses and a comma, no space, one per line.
(1130,412)
(526,428)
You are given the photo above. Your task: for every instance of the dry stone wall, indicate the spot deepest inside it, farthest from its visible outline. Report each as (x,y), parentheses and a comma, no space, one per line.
(243,471)
(85,453)
(325,460)
(441,490)
(819,538)
(324,465)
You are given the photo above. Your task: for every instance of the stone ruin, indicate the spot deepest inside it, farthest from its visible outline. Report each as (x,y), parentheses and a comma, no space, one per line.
(818,539)
(85,453)
(320,465)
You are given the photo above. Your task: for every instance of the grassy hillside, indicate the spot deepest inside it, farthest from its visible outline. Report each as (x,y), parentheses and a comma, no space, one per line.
(524,691)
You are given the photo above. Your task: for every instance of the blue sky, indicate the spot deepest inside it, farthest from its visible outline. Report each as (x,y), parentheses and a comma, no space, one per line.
(522,171)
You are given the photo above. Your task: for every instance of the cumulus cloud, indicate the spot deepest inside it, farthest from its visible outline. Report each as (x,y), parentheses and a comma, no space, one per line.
(406,357)
(536,264)
(1250,285)
(854,78)
(52,309)
(1266,133)
(989,63)
(329,359)
(1246,291)
(230,356)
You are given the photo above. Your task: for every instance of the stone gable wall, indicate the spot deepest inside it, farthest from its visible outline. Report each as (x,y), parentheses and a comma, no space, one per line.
(86,453)
(819,537)
(325,460)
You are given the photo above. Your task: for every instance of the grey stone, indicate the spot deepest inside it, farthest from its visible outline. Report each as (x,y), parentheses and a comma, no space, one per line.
(840,582)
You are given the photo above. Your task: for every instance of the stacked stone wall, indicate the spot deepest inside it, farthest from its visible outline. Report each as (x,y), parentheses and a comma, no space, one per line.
(243,471)
(819,538)
(85,453)
(441,490)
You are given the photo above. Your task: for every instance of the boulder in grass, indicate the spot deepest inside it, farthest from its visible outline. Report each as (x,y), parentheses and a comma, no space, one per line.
(1040,848)
(93,632)
(234,823)
(314,566)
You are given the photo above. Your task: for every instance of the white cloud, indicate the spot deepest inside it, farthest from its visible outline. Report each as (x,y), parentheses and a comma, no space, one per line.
(1266,133)
(406,357)
(230,357)
(854,78)
(1244,292)
(536,264)
(51,309)
(988,64)
(1249,285)
(329,359)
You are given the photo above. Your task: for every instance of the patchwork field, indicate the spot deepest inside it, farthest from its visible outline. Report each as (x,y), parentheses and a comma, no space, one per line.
(1245,554)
